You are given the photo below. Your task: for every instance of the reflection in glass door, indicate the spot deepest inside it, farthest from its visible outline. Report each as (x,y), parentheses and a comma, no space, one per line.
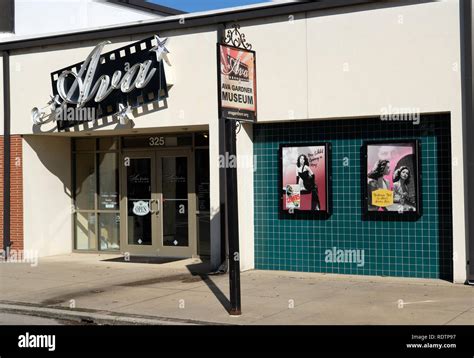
(178,209)
(175,201)
(140,234)
(138,201)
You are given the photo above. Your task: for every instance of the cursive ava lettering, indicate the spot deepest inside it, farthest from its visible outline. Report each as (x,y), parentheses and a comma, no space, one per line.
(136,76)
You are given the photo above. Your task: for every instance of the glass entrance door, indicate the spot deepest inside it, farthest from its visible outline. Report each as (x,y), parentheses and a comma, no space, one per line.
(158,204)
(177,202)
(139,211)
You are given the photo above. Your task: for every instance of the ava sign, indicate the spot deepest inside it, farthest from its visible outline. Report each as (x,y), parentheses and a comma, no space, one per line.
(112,82)
(69,84)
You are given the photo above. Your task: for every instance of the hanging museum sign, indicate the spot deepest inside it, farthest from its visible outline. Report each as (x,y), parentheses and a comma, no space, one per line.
(237,83)
(105,84)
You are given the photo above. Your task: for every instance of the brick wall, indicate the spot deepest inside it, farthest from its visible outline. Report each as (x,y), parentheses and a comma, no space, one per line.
(16,193)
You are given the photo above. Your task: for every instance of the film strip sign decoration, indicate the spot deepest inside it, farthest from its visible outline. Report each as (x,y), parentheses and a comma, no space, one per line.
(237,77)
(108,84)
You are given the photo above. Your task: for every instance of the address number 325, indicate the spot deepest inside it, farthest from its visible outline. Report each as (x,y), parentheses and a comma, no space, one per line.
(156,141)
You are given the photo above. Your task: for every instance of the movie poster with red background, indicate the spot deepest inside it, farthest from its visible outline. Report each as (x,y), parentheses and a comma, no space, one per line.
(304,178)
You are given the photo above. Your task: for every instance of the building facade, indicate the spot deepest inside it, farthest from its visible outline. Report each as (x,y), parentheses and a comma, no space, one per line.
(349,89)
(21,18)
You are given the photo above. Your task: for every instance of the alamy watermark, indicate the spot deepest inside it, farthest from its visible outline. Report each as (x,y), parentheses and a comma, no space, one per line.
(406,114)
(80,114)
(19,257)
(62,113)
(28,340)
(335,255)
(238,161)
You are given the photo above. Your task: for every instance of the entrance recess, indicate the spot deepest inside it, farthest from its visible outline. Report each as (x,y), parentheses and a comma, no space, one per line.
(158,209)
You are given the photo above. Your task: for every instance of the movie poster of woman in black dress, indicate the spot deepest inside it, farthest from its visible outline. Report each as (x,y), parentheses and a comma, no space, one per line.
(304,178)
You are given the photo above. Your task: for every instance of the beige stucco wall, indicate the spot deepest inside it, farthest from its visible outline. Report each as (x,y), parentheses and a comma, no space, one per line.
(341,64)
(349,62)
(244,186)
(47,195)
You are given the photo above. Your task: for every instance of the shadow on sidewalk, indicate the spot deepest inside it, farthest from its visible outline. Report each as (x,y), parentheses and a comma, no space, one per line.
(144,260)
(202,270)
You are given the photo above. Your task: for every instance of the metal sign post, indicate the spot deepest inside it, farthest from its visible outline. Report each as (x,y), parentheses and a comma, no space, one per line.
(237,103)
(233,221)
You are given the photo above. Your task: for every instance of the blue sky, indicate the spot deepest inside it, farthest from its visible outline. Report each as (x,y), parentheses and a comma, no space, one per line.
(202,5)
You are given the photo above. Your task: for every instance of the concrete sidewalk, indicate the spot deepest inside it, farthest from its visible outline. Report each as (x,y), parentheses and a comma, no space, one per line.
(168,293)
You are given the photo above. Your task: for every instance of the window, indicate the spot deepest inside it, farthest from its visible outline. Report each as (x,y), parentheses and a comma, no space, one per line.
(96,194)
(85,231)
(108,181)
(204,205)
(85,181)
(109,231)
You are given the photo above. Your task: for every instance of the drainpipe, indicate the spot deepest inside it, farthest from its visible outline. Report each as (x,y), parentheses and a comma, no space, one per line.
(6,153)
(468,131)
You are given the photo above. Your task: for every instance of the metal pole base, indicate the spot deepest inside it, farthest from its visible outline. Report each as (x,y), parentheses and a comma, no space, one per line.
(235,312)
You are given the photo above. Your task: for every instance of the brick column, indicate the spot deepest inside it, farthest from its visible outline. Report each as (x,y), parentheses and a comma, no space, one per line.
(16,192)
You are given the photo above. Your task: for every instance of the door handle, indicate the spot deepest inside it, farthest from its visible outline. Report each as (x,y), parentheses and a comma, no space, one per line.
(152,212)
(157,211)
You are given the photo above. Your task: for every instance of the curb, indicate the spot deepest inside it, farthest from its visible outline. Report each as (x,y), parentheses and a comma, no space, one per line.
(91,317)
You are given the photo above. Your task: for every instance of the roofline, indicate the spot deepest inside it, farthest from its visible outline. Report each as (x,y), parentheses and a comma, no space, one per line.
(175,22)
(148,7)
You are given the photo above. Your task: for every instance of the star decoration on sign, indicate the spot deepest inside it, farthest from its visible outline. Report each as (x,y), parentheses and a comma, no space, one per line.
(123,113)
(54,102)
(160,50)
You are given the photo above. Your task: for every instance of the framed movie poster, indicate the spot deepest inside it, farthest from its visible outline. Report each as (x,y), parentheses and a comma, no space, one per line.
(305,180)
(391,176)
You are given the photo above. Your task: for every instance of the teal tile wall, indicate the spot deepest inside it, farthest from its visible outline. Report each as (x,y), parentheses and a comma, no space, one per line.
(408,249)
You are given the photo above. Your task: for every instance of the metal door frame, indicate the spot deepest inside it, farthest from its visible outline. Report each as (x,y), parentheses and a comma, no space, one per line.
(157,248)
(179,251)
